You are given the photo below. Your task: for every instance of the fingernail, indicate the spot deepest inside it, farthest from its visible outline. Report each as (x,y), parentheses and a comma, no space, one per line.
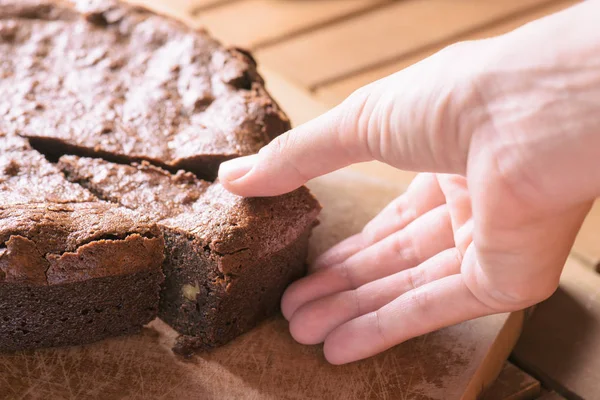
(237,168)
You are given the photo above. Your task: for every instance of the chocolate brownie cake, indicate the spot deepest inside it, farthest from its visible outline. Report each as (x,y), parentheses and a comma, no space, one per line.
(73,269)
(227,259)
(144,97)
(103,78)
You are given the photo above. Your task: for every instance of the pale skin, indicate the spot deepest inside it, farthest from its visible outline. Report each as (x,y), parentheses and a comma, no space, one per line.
(507,134)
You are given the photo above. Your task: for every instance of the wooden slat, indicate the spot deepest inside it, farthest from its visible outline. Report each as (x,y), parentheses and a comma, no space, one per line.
(560,344)
(180,9)
(587,244)
(199,6)
(253,23)
(385,34)
(512,384)
(298,104)
(335,92)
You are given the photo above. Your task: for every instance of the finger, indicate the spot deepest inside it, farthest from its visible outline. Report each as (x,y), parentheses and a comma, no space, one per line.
(458,198)
(438,304)
(520,265)
(407,248)
(312,322)
(422,195)
(340,252)
(412,120)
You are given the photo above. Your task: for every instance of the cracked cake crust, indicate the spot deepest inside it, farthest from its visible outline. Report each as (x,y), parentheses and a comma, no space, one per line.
(228,259)
(137,86)
(124,85)
(63,252)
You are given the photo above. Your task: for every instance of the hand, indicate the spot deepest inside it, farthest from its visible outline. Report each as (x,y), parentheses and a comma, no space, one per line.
(510,127)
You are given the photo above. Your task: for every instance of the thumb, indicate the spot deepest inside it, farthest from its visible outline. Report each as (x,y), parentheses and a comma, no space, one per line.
(413,120)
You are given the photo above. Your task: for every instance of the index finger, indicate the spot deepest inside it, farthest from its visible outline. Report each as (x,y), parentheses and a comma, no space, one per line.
(408,120)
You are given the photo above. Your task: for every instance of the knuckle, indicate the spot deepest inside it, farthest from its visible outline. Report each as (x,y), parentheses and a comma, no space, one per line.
(351,112)
(406,248)
(347,274)
(355,118)
(356,295)
(279,145)
(371,234)
(359,97)
(283,148)
(416,277)
(408,214)
(379,328)
(405,210)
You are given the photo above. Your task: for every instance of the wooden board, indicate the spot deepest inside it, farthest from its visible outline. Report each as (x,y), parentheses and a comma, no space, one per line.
(259,23)
(266,363)
(512,384)
(561,341)
(335,92)
(342,49)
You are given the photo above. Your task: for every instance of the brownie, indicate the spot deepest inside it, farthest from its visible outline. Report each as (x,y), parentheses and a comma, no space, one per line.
(73,269)
(107,79)
(136,99)
(228,259)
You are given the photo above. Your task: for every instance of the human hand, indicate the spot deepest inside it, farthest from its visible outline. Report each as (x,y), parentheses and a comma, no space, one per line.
(508,129)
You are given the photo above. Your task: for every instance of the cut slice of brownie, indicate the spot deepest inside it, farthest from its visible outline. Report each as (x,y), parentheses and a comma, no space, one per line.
(73,269)
(107,79)
(227,258)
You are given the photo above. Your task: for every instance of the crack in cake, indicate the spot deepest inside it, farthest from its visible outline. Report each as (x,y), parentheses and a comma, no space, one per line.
(140,109)
(136,85)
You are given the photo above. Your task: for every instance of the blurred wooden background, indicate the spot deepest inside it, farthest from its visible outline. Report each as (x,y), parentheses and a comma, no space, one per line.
(314,53)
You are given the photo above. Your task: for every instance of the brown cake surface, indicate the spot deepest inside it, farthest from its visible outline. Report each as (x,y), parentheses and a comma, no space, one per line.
(73,269)
(49,244)
(227,258)
(108,79)
(27,177)
(83,260)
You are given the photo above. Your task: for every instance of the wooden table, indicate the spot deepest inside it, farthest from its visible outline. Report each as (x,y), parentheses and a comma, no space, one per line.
(314,53)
